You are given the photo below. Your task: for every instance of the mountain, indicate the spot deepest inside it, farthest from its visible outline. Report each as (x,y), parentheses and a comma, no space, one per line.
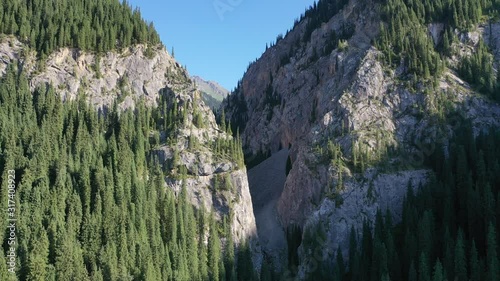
(212,92)
(118,167)
(370,131)
(367,95)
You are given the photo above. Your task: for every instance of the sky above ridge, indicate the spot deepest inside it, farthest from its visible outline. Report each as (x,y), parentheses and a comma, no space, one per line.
(217,39)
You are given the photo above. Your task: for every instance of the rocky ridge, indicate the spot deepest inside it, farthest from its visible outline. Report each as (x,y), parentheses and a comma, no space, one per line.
(212,88)
(145,73)
(299,95)
(211,92)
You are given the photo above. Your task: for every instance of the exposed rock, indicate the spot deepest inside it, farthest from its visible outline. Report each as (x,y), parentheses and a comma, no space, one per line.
(212,88)
(436,30)
(491,37)
(362,198)
(211,92)
(129,77)
(202,195)
(350,97)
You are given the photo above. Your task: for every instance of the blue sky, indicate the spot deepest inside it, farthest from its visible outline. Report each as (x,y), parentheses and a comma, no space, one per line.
(217,39)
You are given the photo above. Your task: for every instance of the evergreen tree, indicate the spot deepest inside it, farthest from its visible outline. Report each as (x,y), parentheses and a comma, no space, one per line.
(475,269)
(460,260)
(213,251)
(492,257)
(438,272)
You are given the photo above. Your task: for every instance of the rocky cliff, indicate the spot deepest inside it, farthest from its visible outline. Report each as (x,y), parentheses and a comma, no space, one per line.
(337,107)
(143,73)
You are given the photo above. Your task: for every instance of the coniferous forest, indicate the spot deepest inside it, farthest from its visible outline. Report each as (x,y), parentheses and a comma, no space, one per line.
(93,202)
(449,228)
(404,39)
(95,25)
(92,194)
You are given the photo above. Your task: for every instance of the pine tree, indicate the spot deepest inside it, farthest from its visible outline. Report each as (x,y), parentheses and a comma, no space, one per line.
(460,259)
(229,255)
(213,251)
(492,257)
(202,249)
(423,268)
(340,264)
(265,274)
(37,260)
(245,265)
(475,269)
(438,272)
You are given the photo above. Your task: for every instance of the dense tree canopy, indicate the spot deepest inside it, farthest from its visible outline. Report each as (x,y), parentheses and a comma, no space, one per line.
(93,203)
(94,25)
(449,228)
(405,39)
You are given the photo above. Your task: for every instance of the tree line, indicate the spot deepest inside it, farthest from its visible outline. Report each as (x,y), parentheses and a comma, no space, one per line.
(449,228)
(92,200)
(92,25)
(404,39)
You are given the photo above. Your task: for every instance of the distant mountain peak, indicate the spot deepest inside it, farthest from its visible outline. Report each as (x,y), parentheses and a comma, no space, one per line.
(212,92)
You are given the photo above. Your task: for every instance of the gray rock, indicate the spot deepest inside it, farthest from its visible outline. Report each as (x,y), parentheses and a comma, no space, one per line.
(129,77)
(350,97)
(223,167)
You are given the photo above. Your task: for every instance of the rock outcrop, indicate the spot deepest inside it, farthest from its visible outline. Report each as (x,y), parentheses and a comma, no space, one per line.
(302,95)
(210,88)
(138,72)
(143,73)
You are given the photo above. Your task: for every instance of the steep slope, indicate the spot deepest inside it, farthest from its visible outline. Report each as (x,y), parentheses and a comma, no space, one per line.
(267,180)
(179,131)
(212,92)
(326,91)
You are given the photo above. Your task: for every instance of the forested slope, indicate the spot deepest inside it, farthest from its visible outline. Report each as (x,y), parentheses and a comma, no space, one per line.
(366,94)
(91,199)
(449,227)
(101,26)
(120,170)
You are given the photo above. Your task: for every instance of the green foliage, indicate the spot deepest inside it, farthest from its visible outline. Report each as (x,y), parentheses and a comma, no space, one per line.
(93,200)
(245,267)
(214,249)
(405,39)
(339,40)
(272,99)
(478,70)
(449,227)
(364,156)
(94,25)
(229,148)
(239,110)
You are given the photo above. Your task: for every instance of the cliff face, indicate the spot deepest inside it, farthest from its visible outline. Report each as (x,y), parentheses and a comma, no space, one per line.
(127,76)
(142,73)
(301,94)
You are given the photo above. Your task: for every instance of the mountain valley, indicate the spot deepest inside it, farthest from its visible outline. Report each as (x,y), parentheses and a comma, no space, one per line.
(361,145)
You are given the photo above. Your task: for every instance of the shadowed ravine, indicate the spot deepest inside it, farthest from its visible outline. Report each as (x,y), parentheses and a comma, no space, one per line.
(266,184)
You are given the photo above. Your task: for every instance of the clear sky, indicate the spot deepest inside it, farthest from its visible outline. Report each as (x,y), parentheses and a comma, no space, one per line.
(217,39)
